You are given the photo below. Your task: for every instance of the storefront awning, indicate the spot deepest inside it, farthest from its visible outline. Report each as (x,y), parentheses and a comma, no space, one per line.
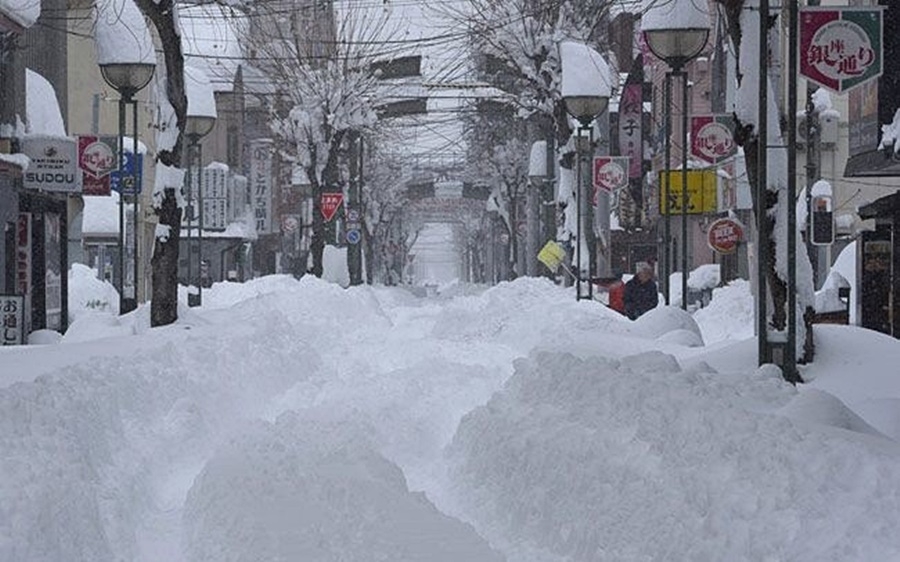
(874,163)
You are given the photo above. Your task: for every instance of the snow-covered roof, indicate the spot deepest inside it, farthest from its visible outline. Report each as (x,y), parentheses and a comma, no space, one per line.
(42,111)
(21,12)
(200,96)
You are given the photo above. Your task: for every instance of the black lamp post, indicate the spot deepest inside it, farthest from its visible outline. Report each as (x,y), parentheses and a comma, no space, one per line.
(584,108)
(127,78)
(197,127)
(676,45)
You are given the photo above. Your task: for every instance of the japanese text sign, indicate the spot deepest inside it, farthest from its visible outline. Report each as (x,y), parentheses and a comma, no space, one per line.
(610,173)
(261,154)
(712,138)
(97,157)
(724,235)
(841,47)
(702,189)
(12,319)
(330,202)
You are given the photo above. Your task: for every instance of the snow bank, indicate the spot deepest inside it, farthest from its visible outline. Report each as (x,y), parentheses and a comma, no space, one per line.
(303,490)
(594,459)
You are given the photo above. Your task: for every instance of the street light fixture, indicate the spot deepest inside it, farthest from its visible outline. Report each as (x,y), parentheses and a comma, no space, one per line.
(201,118)
(586,89)
(676,32)
(127,78)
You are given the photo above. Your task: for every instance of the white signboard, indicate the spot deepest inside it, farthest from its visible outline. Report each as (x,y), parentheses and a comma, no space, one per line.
(54,164)
(215,197)
(261,184)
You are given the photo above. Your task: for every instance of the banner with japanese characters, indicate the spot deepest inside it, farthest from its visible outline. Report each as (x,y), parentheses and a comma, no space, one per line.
(841,47)
(12,320)
(97,158)
(712,137)
(261,154)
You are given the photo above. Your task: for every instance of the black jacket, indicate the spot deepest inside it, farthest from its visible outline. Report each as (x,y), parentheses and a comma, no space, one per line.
(640,297)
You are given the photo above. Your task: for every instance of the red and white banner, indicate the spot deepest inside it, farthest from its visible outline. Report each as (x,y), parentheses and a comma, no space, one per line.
(712,137)
(841,47)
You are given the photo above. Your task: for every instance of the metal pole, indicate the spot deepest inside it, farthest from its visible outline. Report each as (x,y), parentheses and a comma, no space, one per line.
(190,219)
(121,205)
(199,223)
(136,193)
(790,354)
(684,190)
(761,182)
(579,196)
(664,204)
(589,219)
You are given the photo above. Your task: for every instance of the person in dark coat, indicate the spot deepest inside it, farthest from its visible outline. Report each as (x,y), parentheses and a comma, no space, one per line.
(641,293)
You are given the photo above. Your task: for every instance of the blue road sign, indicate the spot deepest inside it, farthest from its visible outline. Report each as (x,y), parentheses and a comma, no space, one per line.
(353,236)
(132,181)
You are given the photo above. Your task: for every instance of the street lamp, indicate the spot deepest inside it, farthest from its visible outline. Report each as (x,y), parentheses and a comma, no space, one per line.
(586,89)
(201,118)
(127,78)
(676,32)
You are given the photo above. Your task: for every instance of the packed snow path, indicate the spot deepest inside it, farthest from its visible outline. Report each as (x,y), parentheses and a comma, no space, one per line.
(299,421)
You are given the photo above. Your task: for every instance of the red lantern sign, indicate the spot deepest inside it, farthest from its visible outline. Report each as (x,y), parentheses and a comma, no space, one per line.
(724,235)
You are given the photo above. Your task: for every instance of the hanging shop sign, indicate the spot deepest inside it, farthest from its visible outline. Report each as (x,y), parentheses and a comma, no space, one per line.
(330,202)
(712,138)
(97,158)
(724,235)
(610,174)
(12,320)
(261,154)
(54,164)
(841,47)
(702,192)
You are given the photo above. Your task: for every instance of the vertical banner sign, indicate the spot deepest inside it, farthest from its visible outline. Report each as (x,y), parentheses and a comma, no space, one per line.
(261,184)
(53,164)
(23,264)
(712,138)
(841,47)
(53,271)
(330,202)
(215,197)
(610,174)
(97,157)
(862,117)
(631,127)
(12,320)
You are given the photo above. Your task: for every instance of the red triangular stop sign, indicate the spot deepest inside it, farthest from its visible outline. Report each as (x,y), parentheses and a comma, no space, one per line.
(330,203)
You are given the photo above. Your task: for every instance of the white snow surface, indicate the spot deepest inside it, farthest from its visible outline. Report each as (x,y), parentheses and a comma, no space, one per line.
(297,420)
(584,71)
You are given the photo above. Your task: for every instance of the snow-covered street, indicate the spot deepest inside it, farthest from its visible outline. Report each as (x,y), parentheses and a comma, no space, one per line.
(295,420)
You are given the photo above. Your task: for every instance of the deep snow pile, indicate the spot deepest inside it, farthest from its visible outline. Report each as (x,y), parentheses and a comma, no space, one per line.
(640,460)
(297,420)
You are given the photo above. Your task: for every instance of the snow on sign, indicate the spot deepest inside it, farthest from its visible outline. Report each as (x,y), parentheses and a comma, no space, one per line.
(330,202)
(724,235)
(610,173)
(712,137)
(841,47)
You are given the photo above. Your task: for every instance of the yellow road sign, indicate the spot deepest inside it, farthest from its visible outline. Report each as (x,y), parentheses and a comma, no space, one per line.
(701,190)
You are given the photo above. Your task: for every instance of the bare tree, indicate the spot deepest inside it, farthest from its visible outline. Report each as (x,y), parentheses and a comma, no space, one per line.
(328,92)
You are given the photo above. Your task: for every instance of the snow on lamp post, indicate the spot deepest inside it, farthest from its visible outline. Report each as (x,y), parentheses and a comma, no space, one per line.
(127,62)
(676,31)
(201,118)
(586,89)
